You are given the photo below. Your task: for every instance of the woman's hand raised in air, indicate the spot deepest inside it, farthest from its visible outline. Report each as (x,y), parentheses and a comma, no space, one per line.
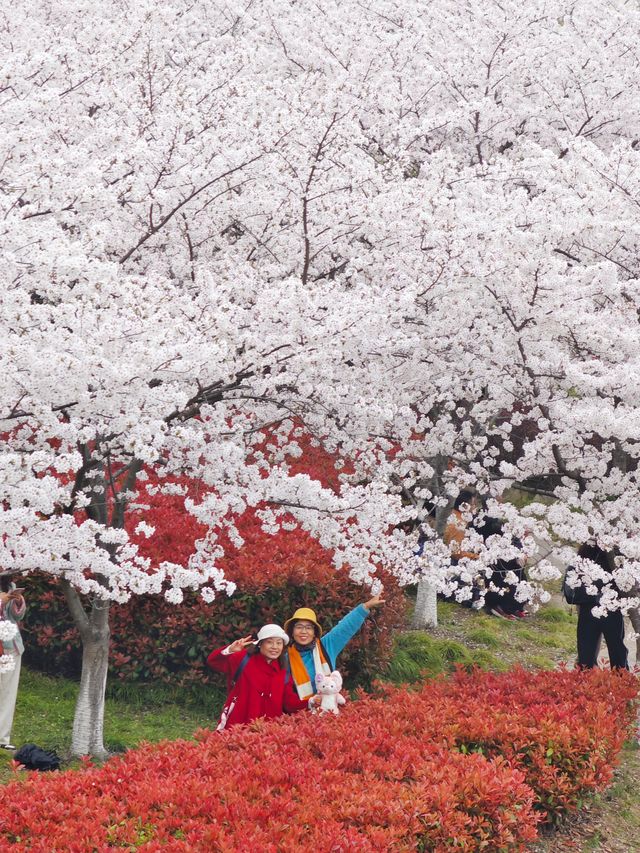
(239,645)
(376,601)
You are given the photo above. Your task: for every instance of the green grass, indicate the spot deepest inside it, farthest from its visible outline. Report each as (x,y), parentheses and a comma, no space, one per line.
(541,662)
(133,713)
(484,637)
(447,612)
(555,615)
(418,655)
(540,641)
(526,634)
(487,660)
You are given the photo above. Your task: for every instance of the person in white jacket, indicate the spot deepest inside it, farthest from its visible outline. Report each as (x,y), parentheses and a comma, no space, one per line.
(12,610)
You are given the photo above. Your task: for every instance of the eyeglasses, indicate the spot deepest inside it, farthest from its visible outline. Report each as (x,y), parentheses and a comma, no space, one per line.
(301,626)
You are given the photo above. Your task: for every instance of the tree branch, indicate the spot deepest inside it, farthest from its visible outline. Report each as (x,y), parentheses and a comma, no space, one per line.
(154,230)
(76,609)
(305,202)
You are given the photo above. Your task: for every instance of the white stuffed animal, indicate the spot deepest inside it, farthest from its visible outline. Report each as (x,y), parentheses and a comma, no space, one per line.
(329,687)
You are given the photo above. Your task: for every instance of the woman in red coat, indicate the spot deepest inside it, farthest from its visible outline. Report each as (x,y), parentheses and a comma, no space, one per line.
(257,683)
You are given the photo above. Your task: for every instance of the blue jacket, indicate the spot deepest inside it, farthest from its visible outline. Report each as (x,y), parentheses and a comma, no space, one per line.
(336,639)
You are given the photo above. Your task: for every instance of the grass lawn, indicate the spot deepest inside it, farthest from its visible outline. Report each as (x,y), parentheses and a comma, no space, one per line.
(468,637)
(45,708)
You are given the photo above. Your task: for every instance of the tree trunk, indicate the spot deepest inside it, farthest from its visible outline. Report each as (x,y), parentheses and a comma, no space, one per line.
(425,614)
(88,723)
(93,625)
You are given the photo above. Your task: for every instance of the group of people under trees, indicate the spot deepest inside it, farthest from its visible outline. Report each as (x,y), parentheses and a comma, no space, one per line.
(276,673)
(501,585)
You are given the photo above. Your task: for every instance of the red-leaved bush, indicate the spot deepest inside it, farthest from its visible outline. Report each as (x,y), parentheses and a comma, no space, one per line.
(400,771)
(152,640)
(562,729)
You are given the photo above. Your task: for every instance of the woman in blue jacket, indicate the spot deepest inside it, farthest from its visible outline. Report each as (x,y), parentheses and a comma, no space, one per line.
(309,654)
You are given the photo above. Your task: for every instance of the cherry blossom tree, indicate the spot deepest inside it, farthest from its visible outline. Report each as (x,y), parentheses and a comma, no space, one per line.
(405,229)
(530,303)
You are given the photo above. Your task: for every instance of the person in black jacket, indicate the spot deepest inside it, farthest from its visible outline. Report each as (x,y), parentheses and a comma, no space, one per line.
(591,628)
(500,598)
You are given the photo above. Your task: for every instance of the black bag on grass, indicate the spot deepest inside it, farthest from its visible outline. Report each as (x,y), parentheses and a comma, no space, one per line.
(35,758)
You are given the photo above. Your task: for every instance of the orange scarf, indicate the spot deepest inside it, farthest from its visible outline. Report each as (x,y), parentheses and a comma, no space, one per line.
(299,671)
(455,532)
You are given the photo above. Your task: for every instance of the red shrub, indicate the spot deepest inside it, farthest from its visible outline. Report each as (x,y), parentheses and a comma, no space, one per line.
(537,722)
(389,773)
(303,781)
(154,640)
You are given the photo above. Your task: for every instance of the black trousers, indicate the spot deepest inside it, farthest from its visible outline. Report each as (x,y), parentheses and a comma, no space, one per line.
(590,632)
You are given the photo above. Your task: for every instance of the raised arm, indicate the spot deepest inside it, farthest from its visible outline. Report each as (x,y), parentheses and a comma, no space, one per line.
(337,638)
(228,659)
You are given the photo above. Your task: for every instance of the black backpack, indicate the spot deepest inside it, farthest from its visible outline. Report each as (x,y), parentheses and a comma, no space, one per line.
(35,758)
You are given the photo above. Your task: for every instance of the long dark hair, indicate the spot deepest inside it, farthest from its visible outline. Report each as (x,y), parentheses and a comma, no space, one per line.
(5,583)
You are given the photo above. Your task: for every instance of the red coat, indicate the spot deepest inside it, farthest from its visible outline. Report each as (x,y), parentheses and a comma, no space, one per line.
(260,691)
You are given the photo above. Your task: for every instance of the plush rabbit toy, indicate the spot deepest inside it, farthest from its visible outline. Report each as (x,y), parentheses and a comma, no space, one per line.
(329,687)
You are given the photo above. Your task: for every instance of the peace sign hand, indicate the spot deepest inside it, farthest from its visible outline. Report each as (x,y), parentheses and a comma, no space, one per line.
(239,645)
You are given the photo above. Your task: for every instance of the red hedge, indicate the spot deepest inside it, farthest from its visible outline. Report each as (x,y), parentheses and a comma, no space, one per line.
(154,640)
(275,574)
(392,772)
(562,729)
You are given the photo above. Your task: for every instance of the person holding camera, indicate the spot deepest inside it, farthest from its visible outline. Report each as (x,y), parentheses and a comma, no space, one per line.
(12,609)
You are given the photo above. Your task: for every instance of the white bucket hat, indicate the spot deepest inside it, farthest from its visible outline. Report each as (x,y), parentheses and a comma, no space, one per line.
(268,631)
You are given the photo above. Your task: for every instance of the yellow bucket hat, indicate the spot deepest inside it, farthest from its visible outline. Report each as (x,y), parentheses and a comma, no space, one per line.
(305,614)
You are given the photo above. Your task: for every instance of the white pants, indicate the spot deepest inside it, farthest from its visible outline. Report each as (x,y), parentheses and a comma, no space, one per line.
(8,694)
